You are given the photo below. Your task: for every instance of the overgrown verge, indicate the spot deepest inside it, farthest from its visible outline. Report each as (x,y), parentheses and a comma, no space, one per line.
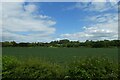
(93,68)
(79,69)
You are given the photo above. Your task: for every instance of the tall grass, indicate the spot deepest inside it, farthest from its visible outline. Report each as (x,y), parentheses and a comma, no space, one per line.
(78,69)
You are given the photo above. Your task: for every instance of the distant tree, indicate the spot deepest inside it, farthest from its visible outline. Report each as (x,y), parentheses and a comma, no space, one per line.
(23,44)
(88,43)
(14,44)
(6,44)
(64,41)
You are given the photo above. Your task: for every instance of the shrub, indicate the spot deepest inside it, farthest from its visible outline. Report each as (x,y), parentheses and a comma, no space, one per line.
(9,64)
(93,68)
(78,69)
(30,69)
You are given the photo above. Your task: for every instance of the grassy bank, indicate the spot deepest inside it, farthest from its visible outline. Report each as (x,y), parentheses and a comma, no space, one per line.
(37,69)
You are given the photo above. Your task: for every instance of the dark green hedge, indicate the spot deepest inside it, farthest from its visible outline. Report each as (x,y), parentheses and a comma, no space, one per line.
(79,69)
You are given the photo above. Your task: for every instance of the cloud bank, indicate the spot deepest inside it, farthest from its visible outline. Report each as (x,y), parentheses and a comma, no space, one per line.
(98,6)
(20,23)
(106,27)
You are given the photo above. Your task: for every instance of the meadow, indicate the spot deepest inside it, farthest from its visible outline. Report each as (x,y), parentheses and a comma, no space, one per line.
(38,63)
(59,54)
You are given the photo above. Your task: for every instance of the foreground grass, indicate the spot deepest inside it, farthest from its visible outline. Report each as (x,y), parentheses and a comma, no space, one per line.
(78,69)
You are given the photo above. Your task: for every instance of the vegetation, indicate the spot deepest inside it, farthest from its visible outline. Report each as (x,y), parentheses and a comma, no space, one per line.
(93,68)
(66,43)
(83,69)
(61,60)
(60,55)
(30,69)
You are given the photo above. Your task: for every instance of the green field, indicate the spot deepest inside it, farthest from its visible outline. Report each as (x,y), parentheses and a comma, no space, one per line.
(59,63)
(60,55)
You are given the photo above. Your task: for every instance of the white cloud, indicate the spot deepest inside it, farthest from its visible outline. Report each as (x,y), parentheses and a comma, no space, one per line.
(103,18)
(104,6)
(0,21)
(30,8)
(18,19)
(100,31)
(12,0)
(95,6)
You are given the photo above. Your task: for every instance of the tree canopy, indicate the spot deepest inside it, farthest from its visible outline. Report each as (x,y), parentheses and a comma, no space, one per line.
(65,43)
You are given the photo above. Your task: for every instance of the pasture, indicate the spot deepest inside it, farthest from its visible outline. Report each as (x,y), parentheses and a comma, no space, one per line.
(59,55)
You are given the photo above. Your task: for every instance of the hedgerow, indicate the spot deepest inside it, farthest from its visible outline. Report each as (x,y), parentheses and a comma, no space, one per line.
(93,68)
(78,69)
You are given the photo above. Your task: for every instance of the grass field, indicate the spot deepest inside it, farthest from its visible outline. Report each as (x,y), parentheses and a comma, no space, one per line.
(59,54)
(59,63)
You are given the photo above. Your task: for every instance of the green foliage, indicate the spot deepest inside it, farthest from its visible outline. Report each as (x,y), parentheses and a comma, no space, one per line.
(66,43)
(30,69)
(0,66)
(9,62)
(93,68)
(78,69)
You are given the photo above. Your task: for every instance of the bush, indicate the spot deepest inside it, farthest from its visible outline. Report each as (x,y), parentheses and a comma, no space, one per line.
(9,65)
(93,68)
(30,69)
(79,69)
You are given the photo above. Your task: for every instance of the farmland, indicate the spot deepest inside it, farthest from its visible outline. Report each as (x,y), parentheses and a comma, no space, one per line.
(59,63)
(59,54)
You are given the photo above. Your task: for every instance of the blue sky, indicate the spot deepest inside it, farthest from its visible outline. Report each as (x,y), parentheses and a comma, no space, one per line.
(65,19)
(44,22)
(69,21)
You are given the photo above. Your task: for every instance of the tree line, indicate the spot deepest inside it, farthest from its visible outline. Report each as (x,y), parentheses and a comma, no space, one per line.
(65,43)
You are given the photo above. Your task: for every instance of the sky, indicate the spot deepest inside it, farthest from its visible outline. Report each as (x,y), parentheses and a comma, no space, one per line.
(48,21)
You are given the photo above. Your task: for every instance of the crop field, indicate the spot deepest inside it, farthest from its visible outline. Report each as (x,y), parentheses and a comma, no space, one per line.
(60,55)
(59,63)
